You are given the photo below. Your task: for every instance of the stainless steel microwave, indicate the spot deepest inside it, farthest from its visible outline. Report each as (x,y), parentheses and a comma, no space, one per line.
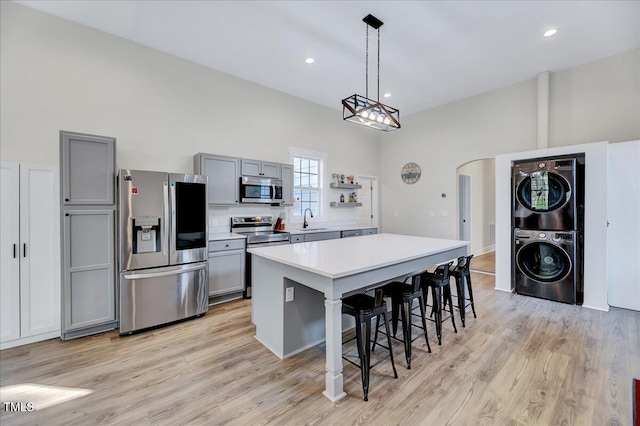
(260,190)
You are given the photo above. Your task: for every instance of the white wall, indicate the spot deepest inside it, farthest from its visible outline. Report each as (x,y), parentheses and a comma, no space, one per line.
(592,102)
(483,206)
(595,218)
(441,139)
(57,75)
(596,102)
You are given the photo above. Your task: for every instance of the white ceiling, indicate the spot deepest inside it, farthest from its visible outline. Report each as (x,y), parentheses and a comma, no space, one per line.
(432,52)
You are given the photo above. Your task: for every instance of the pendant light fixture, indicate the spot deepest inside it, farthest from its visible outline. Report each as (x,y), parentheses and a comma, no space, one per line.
(362,110)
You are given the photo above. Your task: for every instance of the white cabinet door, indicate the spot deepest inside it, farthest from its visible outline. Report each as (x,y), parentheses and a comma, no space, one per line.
(39,250)
(9,252)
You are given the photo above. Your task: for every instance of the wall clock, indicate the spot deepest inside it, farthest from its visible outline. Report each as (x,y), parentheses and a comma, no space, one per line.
(410,173)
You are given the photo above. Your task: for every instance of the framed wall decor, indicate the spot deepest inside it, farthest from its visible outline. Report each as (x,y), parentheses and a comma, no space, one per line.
(410,173)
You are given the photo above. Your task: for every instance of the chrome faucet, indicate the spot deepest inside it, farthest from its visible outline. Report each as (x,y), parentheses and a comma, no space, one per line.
(305,224)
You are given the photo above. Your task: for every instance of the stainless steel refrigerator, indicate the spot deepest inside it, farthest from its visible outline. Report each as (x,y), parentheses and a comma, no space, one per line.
(163,248)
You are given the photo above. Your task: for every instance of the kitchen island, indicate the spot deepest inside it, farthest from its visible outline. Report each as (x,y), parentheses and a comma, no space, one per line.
(320,273)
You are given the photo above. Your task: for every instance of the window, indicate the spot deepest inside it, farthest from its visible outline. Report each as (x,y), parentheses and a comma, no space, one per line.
(307,184)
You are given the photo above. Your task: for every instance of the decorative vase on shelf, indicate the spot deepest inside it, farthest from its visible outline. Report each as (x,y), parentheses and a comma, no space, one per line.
(342,198)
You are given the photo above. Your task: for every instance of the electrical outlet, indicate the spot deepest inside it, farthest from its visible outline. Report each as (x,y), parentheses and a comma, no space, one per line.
(214,222)
(431,214)
(444,213)
(289,295)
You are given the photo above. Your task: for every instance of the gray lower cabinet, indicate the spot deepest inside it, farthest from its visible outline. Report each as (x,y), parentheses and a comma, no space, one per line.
(224,178)
(319,236)
(226,269)
(89,298)
(332,235)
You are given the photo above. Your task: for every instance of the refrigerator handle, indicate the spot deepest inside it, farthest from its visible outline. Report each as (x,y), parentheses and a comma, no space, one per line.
(172,216)
(165,214)
(165,273)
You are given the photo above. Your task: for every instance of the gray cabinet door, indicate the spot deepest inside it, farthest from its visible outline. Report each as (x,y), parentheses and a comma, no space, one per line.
(88,168)
(224,178)
(89,270)
(251,167)
(271,170)
(287,185)
(261,168)
(369,231)
(322,236)
(226,272)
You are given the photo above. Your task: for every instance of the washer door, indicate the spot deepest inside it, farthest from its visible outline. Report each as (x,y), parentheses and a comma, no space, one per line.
(544,262)
(557,192)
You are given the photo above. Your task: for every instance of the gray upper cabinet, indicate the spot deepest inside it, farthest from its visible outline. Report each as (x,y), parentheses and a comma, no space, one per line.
(261,168)
(85,161)
(224,174)
(287,185)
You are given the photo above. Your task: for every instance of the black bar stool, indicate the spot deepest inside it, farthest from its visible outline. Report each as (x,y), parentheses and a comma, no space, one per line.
(364,308)
(402,295)
(461,273)
(437,281)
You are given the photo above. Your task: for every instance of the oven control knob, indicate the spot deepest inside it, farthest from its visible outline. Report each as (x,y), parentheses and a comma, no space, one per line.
(542,235)
(542,165)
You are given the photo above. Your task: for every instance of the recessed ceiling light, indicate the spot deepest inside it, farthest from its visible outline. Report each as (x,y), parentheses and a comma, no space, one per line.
(310,60)
(387,95)
(550,32)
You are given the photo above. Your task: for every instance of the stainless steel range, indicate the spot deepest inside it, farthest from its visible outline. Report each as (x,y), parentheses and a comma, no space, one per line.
(260,233)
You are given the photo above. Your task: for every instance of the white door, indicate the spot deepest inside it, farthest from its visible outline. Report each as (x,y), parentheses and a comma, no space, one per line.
(368,196)
(623,233)
(464,215)
(9,251)
(39,249)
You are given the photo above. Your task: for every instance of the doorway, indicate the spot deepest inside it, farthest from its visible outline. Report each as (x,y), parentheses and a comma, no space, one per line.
(464,213)
(476,204)
(368,196)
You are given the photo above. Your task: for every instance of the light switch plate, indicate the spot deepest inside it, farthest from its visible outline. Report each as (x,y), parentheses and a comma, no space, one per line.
(289,295)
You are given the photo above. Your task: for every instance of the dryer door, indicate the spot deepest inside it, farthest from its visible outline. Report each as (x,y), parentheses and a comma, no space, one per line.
(543,192)
(544,262)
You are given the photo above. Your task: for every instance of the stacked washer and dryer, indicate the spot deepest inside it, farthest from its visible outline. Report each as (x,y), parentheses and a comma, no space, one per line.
(547,223)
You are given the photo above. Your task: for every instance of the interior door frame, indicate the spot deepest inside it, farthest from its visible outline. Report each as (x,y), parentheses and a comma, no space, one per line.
(375,196)
(464,207)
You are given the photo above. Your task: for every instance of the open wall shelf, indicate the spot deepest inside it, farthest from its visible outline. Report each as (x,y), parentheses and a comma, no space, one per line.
(345,185)
(338,204)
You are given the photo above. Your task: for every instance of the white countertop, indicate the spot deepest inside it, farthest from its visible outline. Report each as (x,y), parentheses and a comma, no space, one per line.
(217,236)
(348,256)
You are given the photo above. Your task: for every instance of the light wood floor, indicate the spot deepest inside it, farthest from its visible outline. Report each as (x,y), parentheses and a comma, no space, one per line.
(484,262)
(523,361)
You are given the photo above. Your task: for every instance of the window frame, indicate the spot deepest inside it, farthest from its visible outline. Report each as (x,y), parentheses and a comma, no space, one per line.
(321,158)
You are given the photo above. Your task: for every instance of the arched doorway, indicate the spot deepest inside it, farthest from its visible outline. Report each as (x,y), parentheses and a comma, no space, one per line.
(476,204)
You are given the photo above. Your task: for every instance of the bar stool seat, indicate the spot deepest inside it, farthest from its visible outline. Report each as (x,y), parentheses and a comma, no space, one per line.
(438,282)
(462,274)
(402,295)
(364,308)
